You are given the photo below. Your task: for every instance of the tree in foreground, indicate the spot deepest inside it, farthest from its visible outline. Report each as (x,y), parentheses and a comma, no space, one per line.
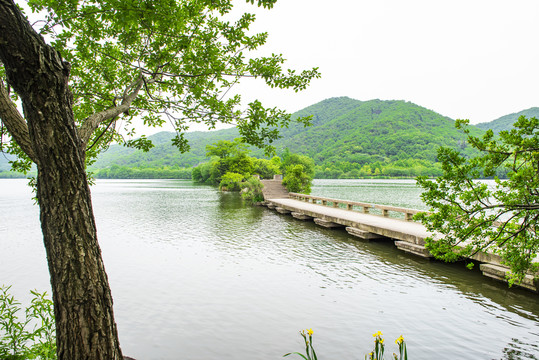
(473,215)
(106,63)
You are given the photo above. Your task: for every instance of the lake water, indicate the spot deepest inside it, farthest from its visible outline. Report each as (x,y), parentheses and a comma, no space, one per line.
(196,274)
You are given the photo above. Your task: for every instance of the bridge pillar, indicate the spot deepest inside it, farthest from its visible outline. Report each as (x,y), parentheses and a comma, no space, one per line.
(363,234)
(415,249)
(282,210)
(301,216)
(327,224)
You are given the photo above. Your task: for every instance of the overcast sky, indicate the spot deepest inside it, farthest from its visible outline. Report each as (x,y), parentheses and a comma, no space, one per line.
(473,59)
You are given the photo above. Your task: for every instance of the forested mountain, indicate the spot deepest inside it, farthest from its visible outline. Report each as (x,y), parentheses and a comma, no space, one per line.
(348,138)
(164,153)
(361,138)
(506,122)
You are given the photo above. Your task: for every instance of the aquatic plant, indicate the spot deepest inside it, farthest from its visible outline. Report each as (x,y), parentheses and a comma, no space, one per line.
(379,348)
(310,354)
(376,354)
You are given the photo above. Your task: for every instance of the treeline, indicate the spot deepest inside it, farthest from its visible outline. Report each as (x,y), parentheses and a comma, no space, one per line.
(13,175)
(401,169)
(124,172)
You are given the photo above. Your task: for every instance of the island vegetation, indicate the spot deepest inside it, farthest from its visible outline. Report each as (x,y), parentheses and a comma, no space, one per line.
(233,169)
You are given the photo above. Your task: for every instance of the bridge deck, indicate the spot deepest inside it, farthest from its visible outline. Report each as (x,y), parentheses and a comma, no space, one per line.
(393,228)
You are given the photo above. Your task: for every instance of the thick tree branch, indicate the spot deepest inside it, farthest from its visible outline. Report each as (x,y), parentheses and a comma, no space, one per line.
(15,123)
(93,121)
(25,55)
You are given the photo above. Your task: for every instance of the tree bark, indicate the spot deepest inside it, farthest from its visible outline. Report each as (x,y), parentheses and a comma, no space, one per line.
(85,324)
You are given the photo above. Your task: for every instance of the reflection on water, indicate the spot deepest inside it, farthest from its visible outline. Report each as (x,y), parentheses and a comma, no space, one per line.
(196,274)
(517,349)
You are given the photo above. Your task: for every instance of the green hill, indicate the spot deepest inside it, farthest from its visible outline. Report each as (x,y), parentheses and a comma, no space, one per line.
(164,154)
(348,138)
(352,138)
(506,122)
(365,131)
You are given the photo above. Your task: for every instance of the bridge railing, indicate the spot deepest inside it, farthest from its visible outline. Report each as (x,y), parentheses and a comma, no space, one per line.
(366,208)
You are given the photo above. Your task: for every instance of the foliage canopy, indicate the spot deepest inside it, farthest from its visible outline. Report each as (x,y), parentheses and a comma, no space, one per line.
(161,61)
(474,216)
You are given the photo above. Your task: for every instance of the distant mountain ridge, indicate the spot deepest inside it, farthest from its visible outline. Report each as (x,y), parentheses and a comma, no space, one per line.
(164,153)
(348,138)
(506,122)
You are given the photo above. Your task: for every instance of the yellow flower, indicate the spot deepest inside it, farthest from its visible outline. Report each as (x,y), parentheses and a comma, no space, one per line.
(381,341)
(399,340)
(379,333)
(310,332)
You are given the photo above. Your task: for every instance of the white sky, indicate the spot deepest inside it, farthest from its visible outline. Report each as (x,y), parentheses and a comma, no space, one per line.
(474,59)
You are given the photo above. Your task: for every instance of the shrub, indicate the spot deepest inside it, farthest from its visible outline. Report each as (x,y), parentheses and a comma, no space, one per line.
(297,180)
(252,190)
(231,182)
(17,341)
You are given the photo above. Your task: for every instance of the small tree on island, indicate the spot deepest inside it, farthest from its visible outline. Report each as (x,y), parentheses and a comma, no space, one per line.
(473,216)
(298,172)
(107,63)
(296,179)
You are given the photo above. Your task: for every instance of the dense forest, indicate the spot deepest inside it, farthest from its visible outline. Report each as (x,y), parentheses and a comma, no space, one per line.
(347,139)
(351,138)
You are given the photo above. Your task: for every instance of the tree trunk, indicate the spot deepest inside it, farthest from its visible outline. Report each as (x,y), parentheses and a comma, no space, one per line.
(85,324)
(83,304)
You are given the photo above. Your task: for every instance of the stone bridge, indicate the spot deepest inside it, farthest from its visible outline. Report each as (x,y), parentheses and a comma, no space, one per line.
(373,222)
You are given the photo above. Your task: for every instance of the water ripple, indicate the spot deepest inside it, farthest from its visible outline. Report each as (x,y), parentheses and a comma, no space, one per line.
(191,266)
